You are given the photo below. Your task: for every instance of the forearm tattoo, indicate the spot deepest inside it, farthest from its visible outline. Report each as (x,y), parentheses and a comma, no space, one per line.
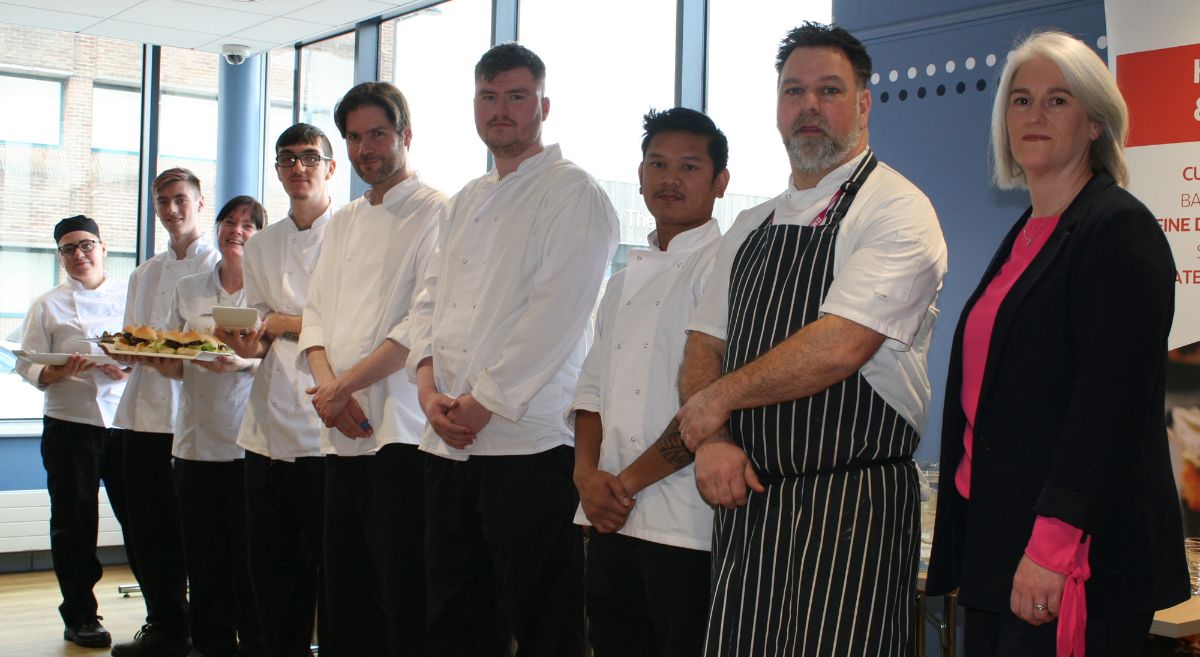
(670,445)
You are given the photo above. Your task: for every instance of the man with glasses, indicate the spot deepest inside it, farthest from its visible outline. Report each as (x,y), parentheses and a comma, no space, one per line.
(147,412)
(355,334)
(281,432)
(80,447)
(501,341)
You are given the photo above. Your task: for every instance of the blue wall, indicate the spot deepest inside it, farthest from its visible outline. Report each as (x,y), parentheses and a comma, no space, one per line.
(941,142)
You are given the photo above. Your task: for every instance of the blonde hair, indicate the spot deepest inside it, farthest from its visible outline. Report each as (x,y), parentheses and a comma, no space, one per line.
(1092,85)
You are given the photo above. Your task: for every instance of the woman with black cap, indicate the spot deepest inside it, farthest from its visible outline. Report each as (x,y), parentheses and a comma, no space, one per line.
(80,447)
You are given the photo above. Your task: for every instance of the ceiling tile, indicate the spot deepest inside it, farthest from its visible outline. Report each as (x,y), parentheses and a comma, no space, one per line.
(50,20)
(281,31)
(337,12)
(267,7)
(139,33)
(171,13)
(103,8)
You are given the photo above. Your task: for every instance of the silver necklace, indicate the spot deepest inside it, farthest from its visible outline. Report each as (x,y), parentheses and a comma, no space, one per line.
(1029,238)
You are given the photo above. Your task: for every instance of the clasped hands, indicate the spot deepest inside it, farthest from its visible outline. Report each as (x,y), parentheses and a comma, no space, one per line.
(723,471)
(339,410)
(457,420)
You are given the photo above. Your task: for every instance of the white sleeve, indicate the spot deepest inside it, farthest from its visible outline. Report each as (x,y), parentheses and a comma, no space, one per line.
(131,295)
(256,282)
(711,314)
(404,332)
(580,235)
(35,337)
(595,366)
(312,331)
(889,279)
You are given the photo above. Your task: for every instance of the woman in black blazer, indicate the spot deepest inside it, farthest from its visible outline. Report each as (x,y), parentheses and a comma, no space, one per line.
(1057,516)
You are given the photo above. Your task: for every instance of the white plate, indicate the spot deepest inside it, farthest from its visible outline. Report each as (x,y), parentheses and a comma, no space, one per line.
(229,317)
(203,355)
(59,359)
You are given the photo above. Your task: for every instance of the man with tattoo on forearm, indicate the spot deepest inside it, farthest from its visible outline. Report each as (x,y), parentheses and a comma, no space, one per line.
(647,580)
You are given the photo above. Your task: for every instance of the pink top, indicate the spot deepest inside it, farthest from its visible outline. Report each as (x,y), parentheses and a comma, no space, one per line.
(1054,544)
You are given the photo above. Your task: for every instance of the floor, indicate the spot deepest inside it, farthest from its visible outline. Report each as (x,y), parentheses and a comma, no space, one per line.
(29,621)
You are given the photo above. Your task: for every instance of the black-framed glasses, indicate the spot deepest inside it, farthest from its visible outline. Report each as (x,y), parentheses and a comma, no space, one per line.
(68,250)
(288,160)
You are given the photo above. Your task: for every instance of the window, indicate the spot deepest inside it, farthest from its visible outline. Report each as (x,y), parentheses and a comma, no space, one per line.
(69,147)
(187,126)
(281,65)
(597,100)
(741,94)
(37,117)
(430,55)
(111,128)
(326,74)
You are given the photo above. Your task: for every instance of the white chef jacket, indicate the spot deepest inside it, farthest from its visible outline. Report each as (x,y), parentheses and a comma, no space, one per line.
(888,265)
(371,265)
(518,268)
(58,322)
(150,399)
(279,263)
(211,405)
(630,374)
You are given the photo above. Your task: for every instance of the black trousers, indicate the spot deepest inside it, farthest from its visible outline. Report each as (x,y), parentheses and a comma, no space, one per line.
(505,560)
(153,530)
(374,554)
(988,634)
(212,511)
(285,509)
(77,457)
(645,599)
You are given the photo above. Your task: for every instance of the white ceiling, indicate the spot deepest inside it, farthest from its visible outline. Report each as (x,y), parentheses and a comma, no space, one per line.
(198,24)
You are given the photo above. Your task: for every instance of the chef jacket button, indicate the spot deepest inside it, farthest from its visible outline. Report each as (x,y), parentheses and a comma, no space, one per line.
(443,347)
(639,257)
(618,346)
(656,302)
(628,303)
(476,219)
(454,305)
(637,391)
(464,261)
(645,345)
(472,306)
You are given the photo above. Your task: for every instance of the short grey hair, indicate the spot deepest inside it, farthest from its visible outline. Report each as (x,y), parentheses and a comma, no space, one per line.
(1092,85)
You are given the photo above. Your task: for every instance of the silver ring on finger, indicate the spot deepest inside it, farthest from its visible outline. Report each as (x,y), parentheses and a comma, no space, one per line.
(1040,607)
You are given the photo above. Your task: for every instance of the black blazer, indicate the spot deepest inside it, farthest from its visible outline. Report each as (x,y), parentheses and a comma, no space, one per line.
(1070,422)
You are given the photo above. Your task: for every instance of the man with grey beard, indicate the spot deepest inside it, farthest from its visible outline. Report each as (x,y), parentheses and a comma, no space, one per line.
(805,381)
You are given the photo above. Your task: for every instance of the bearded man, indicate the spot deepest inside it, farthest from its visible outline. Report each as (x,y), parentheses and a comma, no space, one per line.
(805,379)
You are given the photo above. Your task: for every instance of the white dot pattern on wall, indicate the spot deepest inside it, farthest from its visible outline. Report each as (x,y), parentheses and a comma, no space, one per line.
(894,75)
(931,70)
(970,63)
(912,72)
(990,60)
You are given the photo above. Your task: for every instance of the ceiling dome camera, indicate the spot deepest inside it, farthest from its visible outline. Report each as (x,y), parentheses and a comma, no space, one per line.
(235,54)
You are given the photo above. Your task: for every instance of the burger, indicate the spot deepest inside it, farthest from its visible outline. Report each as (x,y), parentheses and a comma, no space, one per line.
(191,343)
(135,338)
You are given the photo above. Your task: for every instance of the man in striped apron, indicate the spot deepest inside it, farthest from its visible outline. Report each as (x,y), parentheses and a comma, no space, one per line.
(806,381)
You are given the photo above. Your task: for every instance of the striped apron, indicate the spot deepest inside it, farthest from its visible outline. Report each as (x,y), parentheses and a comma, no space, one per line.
(824,563)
